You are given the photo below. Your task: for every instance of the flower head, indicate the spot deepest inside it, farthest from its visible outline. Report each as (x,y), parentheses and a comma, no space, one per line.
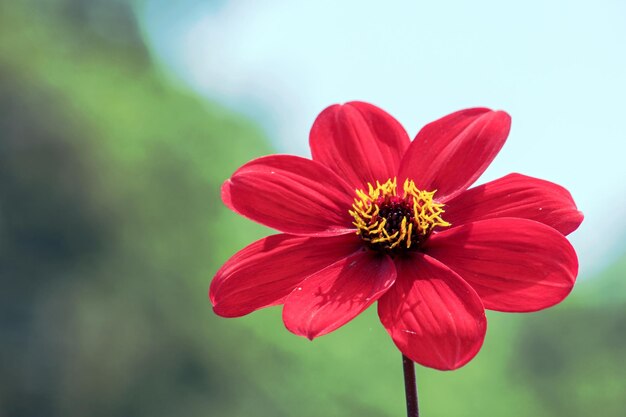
(375,217)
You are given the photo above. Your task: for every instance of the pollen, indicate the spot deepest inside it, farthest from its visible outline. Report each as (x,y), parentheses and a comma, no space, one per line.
(394,221)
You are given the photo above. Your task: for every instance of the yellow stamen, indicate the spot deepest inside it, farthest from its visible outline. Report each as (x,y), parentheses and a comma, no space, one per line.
(376,215)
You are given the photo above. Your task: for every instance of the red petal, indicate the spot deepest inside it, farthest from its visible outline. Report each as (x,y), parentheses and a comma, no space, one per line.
(359,141)
(433,316)
(332,297)
(449,154)
(265,272)
(515,265)
(291,194)
(516,195)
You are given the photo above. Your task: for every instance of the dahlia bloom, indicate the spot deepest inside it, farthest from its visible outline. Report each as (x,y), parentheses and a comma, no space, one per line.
(375,217)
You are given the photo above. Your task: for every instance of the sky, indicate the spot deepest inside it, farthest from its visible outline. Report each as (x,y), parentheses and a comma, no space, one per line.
(558,67)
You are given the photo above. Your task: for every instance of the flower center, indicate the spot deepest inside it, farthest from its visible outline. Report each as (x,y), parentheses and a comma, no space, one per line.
(390,222)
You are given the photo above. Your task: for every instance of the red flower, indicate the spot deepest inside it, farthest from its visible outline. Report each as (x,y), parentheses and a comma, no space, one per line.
(375,217)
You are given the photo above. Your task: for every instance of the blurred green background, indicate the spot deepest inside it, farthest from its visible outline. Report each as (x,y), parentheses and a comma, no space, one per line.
(111,228)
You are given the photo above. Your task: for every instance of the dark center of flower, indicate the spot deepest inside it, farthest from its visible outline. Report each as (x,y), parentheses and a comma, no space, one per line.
(392,223)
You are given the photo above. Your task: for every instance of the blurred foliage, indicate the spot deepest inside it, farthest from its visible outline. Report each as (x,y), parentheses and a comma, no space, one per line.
(111,228)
